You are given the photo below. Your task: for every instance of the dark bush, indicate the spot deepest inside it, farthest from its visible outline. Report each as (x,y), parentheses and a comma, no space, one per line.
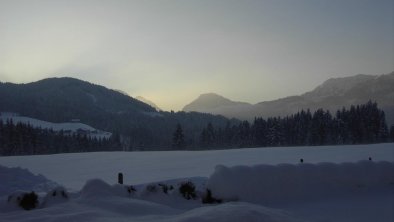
(151,188)
(165,188)
(29,201)
(188,190)
(131,189)
(209,199)
(60,191)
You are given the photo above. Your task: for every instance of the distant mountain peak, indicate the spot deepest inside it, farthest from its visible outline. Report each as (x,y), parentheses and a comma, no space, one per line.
(149,102)
(332,94)
(214,97)
(214,103)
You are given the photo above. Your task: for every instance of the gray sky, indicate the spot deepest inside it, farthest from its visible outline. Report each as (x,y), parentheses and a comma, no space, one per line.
(170,51)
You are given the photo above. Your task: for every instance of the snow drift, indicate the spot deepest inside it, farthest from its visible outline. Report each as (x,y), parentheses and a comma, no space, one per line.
(14,179)
(235,212)
(283,183)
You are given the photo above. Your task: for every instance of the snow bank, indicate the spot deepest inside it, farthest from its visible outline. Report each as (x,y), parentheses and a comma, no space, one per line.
(235,212)
(283,183)
(56,196)
(96,188)
(14,179)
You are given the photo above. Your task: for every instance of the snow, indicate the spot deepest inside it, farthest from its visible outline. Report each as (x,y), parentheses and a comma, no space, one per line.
(55,196)
(334,183)
(99,201)
(18,179)
(72,127)
(284,183)
(235,212)
(146,167)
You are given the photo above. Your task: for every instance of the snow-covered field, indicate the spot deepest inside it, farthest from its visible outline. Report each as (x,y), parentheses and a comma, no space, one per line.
(334,183)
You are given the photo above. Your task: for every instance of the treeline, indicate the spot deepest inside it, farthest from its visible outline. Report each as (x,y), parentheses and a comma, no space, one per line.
(24,139)
(360,124)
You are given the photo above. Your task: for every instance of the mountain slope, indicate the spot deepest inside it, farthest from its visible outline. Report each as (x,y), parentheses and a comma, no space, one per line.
(216,104)
(333,94)
(146,101)
(138,124)
(63,99)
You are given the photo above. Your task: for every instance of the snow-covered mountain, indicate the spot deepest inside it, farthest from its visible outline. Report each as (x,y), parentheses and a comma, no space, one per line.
(73,127)
(333,94)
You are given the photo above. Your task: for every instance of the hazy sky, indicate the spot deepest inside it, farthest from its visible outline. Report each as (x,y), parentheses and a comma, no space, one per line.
(170,51)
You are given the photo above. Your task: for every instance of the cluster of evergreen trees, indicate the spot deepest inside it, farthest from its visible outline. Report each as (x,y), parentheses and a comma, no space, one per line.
(359,125)
(23,139)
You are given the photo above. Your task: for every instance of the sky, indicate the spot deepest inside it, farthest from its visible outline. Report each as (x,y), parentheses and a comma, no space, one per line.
(171,51)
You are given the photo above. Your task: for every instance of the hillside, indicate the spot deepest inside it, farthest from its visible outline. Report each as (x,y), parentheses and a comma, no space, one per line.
(69,128)
(146,101)
(138,124)
(333,94)
(63,99)
(216,104)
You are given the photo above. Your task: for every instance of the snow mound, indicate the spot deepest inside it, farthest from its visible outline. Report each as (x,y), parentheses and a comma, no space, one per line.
(57,195)
(235,212)
(96,188)
(268,184)
(14,179)
(14,200)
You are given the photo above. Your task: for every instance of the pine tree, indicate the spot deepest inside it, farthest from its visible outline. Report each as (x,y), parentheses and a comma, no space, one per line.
(392,133)
(178,139)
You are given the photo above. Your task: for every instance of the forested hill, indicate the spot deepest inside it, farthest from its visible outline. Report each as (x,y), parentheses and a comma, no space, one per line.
(139,125)
(62,99)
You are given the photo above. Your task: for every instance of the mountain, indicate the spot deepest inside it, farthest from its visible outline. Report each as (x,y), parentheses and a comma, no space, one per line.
(333,94)
(138,125)
(63,99)
(146,101)
(216,104)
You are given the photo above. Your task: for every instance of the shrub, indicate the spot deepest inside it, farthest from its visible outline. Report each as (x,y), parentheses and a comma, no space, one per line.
(29,201)
(55,196)
(130,189)
(61,192)
(165,188)
(188,190)
(151,188)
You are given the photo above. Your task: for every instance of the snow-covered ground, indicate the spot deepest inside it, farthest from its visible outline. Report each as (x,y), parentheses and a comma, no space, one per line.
(346,187)
(69,127)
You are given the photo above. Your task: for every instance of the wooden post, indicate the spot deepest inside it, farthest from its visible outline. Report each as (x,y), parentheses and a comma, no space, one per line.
(120,178)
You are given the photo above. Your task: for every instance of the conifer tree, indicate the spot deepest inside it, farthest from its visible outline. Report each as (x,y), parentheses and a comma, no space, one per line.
(178,139)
